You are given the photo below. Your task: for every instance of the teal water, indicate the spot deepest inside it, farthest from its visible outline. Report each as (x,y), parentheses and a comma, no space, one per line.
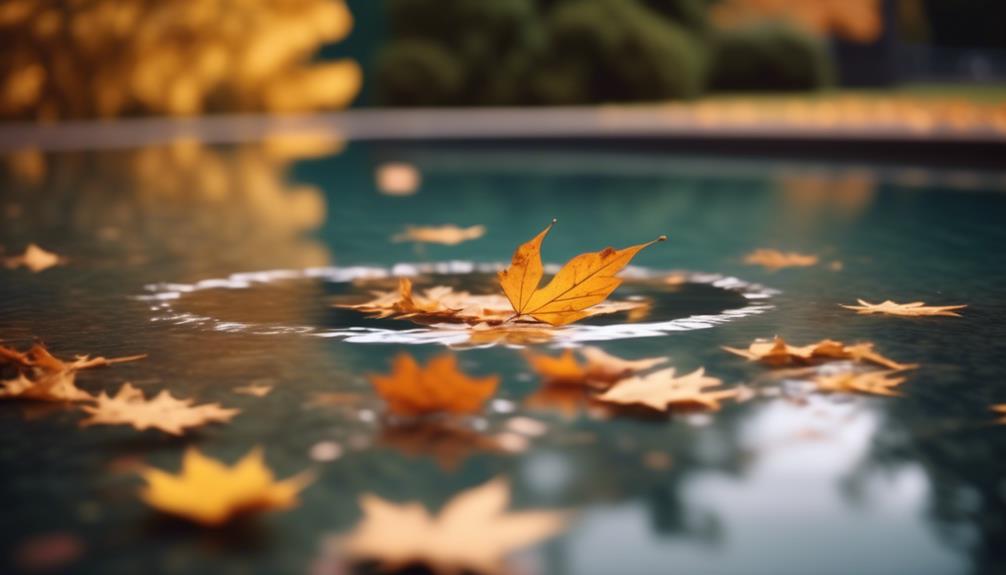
(787,482)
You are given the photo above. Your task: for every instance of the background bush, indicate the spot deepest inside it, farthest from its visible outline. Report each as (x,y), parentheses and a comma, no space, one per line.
(768,57)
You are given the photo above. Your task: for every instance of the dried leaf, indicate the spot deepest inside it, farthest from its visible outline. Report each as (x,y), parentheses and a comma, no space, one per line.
(163,412)
(599,368)
(871,382)
(35,259)
(778,353)
(586,280)
(775,260)
(43,377)
(913,309)
(473,532)
(208,492)
(449,235)
(439,387)
(443,304)
(254,389)
(661,389)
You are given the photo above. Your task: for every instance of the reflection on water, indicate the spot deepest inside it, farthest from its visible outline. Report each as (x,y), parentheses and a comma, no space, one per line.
(782,483)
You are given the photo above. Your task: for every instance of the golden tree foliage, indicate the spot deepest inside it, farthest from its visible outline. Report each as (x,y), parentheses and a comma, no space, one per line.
(584,281)
(107,58)
(208,492)
(857,20)
(472,533)
(411,389)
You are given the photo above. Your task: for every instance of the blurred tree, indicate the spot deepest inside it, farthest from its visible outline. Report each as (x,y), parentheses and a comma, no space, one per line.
(106,58)
(616,50)
(419,72)
(769,57)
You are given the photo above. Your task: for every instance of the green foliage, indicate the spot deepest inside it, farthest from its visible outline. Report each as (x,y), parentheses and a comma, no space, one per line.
(417,72)
(516,52)
(615,50)
(768,58)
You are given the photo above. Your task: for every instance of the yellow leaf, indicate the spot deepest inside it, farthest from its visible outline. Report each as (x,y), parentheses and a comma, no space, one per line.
(913,309)
(472,533)
(586,280)
(164,412)
(661,389)
(439,387)
(207,491)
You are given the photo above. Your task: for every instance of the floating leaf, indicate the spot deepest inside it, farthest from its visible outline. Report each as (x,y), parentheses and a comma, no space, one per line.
(443,304)
(208,492)
(599,368)
(775,260)
(449,235)
(43,377)
(586,280)
(661,389)
(472,533)
(1001,410)
(778,353)
(871,382)
(913,309)
(254,389)
(411,389)
(163,412)
(35,259)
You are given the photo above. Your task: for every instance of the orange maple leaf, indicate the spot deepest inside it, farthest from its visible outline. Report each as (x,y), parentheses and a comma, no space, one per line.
(598,368)
(411,389)
(586,280)
(777,352)
(43,377)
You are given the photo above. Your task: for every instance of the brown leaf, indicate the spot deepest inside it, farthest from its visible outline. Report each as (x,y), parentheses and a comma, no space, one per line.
(1001,410)
(164,412)
(43,377)
(778,353)
(449,235)
(584,281)
(661,389)
(913,309)
(473,532)
(775,260)
(599,367)
(439,387)
(870,382)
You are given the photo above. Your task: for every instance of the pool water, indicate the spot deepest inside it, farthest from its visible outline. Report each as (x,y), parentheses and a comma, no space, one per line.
(222,264)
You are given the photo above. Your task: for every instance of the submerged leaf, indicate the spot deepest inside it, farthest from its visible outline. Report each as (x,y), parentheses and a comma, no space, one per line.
(411,389)
(207,491)
(472,533)
(586,280)
(913,309)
